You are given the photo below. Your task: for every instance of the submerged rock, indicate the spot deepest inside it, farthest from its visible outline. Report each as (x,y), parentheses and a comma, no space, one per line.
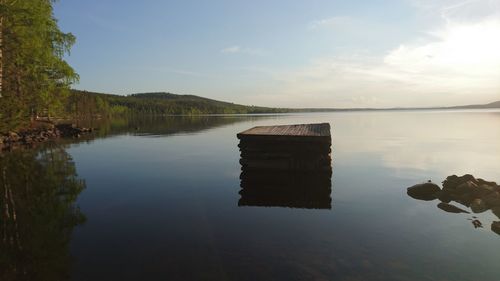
(425,191)
(477,223)
(451,208)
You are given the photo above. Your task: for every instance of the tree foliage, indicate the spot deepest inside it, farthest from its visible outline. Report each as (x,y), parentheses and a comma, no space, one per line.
(36,78)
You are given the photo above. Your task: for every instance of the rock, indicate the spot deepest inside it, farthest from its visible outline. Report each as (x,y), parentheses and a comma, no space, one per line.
(466,187)
(13,137)
(464,199)
(495,227)
(489,183)
(444,196)
(492,200)
(496,211)
(476,223)
(452,182)
(450,208)
(492,188)
(483,191)
(478,205)
(424,191)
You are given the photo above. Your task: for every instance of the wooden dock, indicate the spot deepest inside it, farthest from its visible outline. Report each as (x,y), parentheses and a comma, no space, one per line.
(286,166)
(288,147)
(302,132)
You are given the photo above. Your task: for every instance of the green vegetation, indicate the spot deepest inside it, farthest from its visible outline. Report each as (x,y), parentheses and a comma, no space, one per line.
(84,104)
(35,78)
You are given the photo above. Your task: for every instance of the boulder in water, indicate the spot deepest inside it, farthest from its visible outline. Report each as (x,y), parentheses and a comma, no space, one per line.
(425,191)
(451,183)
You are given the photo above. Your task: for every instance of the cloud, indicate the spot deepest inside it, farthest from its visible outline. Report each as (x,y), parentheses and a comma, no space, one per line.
(231,50)
(333,22)
(240,50)
(455,63)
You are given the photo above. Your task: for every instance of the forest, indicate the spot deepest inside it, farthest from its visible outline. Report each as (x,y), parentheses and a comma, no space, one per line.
(82,104)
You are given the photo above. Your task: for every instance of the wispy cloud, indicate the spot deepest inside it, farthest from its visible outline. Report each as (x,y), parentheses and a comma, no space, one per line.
(241,50)
(333,22)
(231,50)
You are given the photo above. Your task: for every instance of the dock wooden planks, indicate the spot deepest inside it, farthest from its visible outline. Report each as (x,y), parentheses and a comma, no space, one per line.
(288,147)
(286,166)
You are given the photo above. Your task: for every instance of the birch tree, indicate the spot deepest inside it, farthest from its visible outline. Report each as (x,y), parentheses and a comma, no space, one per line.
(35,76)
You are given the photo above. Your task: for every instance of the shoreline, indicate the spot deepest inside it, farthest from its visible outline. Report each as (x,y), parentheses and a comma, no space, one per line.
(29,138)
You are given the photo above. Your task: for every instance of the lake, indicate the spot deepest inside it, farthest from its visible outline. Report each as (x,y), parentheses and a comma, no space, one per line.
(158,199)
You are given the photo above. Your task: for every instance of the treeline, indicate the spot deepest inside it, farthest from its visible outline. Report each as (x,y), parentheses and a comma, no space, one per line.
(84,104)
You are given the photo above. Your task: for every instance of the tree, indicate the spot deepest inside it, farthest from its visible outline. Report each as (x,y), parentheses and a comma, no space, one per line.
(36,78)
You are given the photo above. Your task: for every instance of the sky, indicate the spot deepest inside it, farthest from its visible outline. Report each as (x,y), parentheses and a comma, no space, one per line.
(294,53)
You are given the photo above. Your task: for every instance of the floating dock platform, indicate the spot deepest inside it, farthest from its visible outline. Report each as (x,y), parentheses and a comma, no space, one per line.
(286,166)
(289,147)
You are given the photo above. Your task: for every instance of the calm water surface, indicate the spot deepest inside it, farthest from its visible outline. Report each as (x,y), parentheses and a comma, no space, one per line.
(157,199)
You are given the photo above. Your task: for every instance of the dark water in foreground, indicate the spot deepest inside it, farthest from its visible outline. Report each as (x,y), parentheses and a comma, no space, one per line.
(157,199)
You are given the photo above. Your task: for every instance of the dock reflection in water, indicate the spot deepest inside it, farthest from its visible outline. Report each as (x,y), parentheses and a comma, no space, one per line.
(294,189)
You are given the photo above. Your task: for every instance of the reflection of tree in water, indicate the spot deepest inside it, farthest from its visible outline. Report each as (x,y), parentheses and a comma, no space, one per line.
(38,190)
(477,194)
(162,125)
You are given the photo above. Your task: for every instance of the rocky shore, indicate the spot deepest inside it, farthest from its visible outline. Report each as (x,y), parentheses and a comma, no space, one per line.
(477,194)
(32,137)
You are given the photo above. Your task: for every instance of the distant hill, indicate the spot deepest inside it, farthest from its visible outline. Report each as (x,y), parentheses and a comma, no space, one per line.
(495,104)
(86,103)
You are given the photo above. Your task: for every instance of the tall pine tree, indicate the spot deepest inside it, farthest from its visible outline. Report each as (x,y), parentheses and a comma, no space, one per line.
(35,77)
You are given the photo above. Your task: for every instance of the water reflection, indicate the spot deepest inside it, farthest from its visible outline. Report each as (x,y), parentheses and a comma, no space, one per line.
(162,125)
(38,191)
(294,189)
(476,194)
